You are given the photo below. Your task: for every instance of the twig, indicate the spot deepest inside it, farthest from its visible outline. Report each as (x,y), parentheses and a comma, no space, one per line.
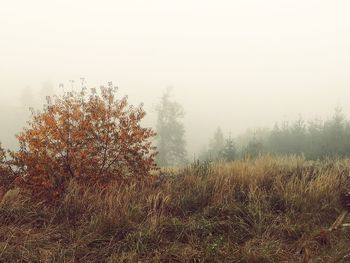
(339,221)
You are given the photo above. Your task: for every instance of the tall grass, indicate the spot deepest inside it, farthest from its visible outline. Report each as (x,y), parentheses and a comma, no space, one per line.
(263,210)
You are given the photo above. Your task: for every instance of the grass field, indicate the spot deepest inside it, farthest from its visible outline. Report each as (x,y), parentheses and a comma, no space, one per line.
(264,210)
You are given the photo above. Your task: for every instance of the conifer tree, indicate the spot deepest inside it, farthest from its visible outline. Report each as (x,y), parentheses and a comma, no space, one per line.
(170,132)
(229,151)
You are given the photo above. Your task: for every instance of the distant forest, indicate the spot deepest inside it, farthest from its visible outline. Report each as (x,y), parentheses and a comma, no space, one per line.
(315,139)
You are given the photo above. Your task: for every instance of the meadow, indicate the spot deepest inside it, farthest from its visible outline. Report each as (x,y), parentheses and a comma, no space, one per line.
(269,209)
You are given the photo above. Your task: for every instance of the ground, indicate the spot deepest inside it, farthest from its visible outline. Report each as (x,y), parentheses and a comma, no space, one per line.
(272,209)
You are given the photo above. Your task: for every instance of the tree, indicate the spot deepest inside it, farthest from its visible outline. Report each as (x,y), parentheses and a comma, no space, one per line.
(242,141)
(229,150)
(314,139)
(298,137)
(170,132)
(91,137)
(335,137)
(216,145)
(254,148)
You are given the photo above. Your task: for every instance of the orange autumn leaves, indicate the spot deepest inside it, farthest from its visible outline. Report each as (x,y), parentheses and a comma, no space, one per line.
(5,175)
(91,137)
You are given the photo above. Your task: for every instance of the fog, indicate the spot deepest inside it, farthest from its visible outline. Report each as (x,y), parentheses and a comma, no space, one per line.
(234,64)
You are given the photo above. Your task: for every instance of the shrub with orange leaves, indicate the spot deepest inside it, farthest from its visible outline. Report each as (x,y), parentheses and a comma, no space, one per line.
(2,160)
(6,174)
(90,136)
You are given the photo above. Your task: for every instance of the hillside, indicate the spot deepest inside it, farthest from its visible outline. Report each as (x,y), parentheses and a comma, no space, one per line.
(264,210)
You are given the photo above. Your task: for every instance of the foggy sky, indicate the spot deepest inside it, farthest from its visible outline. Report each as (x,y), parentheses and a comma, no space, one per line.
(232,63)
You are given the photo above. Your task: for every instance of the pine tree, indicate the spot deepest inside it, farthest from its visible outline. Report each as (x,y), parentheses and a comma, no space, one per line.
(229,151)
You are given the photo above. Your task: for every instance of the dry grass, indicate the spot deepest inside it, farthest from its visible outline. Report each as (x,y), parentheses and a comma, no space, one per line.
(264,210)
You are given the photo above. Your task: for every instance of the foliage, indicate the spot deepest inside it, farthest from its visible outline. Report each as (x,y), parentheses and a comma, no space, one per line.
(216,145)
(219,148)
(316,139)
(89,136)
(6,174)
(229,150)
(254,148)
(2,160)
(170,132)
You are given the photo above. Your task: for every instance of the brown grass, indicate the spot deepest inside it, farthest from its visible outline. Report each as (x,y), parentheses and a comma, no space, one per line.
(264,210)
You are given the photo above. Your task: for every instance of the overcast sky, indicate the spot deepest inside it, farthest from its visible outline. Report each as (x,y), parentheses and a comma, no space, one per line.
(231,63)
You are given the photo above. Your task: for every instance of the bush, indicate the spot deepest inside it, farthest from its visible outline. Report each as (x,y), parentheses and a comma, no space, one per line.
(2,163)
(89,136)
(6,175)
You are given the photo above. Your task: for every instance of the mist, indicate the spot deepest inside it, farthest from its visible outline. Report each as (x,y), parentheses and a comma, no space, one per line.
(231,64)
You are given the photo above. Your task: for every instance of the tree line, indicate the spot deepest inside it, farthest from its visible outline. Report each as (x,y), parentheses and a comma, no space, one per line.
(314,139)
